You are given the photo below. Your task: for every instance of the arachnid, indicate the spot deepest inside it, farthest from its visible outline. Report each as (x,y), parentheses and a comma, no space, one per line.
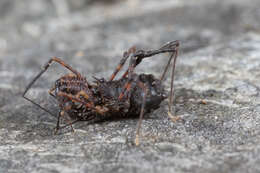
(132,94)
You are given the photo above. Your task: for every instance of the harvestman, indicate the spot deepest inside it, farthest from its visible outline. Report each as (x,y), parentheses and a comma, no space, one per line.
(130,95)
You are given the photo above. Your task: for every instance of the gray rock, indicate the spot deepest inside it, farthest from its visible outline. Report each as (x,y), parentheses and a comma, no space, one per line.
(216,85)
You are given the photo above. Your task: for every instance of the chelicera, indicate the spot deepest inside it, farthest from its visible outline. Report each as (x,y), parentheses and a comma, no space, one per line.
(130,95)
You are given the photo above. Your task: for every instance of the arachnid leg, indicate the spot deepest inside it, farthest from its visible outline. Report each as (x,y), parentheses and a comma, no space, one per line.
(142,85)
(64,108)
(58,123)
(69,122)
(131,77)
(175,46)
(170,47)
(45,67)
(122,62)
(98,109)
(132,80)
(50,92)
(90,105)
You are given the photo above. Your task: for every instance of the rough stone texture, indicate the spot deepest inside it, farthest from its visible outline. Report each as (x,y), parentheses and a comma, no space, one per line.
(218,65)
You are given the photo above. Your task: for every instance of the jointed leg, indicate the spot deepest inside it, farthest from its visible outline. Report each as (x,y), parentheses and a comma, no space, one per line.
(58,122)
(174,55)
(69,124)
(174,45)
(168,47)
(122,62)
(98,109)
(45,67)
(142,85)
(50,92)
(128,84)
(61,114)
(139,55)
(74,99)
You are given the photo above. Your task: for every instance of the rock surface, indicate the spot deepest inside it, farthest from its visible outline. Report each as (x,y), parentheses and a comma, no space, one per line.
(217,85)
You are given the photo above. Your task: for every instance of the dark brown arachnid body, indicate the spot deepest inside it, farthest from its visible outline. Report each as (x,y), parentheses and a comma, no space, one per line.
(132,94)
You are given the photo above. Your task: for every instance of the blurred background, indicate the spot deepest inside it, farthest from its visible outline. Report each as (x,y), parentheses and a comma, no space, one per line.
(219,62)
(91,33)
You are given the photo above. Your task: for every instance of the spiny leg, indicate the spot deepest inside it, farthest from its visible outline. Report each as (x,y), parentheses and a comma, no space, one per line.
(119,66)
(61,62)
(173,47)
(79,94)
(132,80)
(136,59)
(130,70)
(45,67)
(62,111)
(122,62)
(50,92)
(73,98)
(90,105)
(139,55)
(168,47)
(69,122)
(143,86)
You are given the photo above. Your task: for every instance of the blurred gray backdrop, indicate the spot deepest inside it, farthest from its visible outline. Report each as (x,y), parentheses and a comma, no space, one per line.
(216,85)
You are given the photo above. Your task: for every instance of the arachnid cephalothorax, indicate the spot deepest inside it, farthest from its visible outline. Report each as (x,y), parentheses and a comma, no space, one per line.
(132,94)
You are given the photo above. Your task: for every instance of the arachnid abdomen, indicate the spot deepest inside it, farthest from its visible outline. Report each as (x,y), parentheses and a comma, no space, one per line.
(131,102)
(155,94)
(105,95)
